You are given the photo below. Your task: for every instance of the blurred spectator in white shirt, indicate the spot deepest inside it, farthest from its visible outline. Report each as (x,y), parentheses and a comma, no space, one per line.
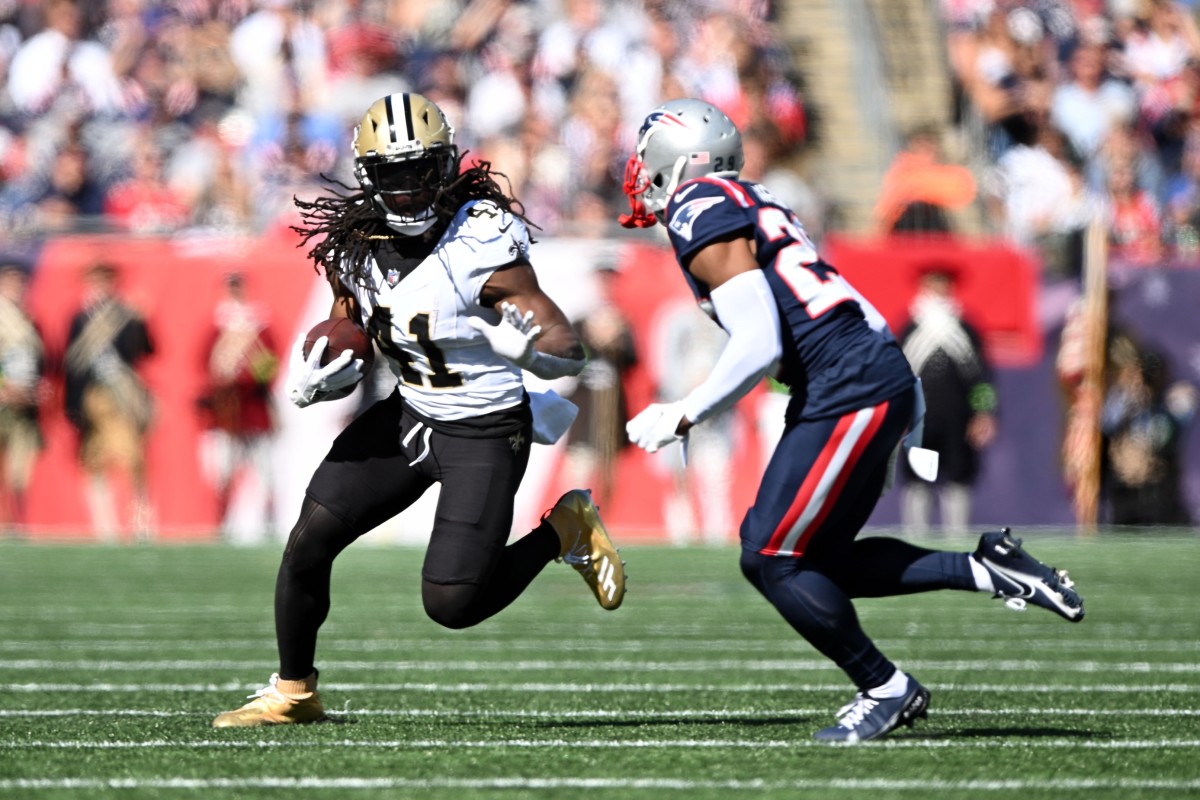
(1087,107)
(500,95)
(282,57)
(55,59)
(1162,41)
(1038,196)
(588,35)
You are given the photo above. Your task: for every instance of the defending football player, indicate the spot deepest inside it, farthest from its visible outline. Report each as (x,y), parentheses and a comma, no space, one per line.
(853,397)
(433,260)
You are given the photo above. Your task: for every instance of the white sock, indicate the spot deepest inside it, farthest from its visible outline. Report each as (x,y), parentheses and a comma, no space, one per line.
(896,686)
(983,578)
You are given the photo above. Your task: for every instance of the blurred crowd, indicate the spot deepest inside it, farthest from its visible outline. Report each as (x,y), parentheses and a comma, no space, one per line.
(1068,116)
(160,115)
(1083,110)
(1086,113)
(209,116)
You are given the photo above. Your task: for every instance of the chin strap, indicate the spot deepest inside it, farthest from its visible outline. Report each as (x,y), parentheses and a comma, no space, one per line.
(638,218)
(410,228)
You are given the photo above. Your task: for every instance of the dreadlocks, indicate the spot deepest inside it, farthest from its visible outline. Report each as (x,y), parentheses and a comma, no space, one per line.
(350,229)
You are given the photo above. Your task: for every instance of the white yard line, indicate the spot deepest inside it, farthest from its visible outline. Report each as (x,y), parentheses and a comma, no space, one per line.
(603,713)
(575,688)
(992,743)
(374,784)
(655,644)
(623,665)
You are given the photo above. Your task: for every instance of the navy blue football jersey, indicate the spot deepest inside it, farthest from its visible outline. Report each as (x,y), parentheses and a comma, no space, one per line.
(833,361)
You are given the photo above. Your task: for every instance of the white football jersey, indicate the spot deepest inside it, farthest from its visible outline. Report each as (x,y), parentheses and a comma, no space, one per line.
(445,368)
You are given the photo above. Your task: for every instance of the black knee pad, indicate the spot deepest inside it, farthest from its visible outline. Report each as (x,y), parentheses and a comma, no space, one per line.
(753,564)
(451,605)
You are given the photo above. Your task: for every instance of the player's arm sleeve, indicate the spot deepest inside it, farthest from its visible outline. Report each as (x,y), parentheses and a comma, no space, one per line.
(747,310)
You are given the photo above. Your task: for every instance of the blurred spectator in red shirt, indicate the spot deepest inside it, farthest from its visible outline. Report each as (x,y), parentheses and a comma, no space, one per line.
(144,202)
(364,57)
(239,419)
(1134,220)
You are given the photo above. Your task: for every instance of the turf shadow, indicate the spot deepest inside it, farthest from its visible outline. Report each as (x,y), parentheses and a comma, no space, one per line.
(1024,731)
(755,722)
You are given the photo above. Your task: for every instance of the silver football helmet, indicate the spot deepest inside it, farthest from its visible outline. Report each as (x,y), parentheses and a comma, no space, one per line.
(404,154)
(680,140)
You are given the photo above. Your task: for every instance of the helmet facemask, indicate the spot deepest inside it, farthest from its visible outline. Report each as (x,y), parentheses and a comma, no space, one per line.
(648,194)
(404,158)
(404,190)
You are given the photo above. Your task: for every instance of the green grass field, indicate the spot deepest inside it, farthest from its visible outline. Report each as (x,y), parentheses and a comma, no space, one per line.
(113,660)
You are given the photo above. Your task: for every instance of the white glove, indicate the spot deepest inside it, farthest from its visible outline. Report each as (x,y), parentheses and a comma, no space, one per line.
(513,337)
(309,382)
(655,426)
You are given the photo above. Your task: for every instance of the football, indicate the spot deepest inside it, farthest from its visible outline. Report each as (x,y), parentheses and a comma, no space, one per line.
(343,334)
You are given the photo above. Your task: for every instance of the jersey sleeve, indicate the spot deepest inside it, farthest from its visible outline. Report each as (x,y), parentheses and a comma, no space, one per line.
(482,238)
(705,209)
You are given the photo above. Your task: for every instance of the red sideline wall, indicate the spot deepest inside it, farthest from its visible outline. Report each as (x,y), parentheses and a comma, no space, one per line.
(997,286)
(177,283)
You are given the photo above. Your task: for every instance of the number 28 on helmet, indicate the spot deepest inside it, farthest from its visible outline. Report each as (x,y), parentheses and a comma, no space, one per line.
(404,154)
(679,140)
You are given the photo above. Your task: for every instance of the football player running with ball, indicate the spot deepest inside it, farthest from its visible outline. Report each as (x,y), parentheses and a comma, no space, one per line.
(433,261)
(791,315)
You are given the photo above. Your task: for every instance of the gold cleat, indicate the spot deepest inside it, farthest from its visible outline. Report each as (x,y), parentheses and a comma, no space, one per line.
(586,546)
(270,706)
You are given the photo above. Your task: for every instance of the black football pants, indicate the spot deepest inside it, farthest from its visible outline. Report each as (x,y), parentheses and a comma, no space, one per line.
(379,466)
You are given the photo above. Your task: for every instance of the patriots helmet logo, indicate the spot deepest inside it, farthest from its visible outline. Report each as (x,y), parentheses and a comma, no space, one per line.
(685,215)
(660,117)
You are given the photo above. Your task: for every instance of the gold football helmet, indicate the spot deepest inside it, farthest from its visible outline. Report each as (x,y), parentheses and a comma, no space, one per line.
(404,154)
